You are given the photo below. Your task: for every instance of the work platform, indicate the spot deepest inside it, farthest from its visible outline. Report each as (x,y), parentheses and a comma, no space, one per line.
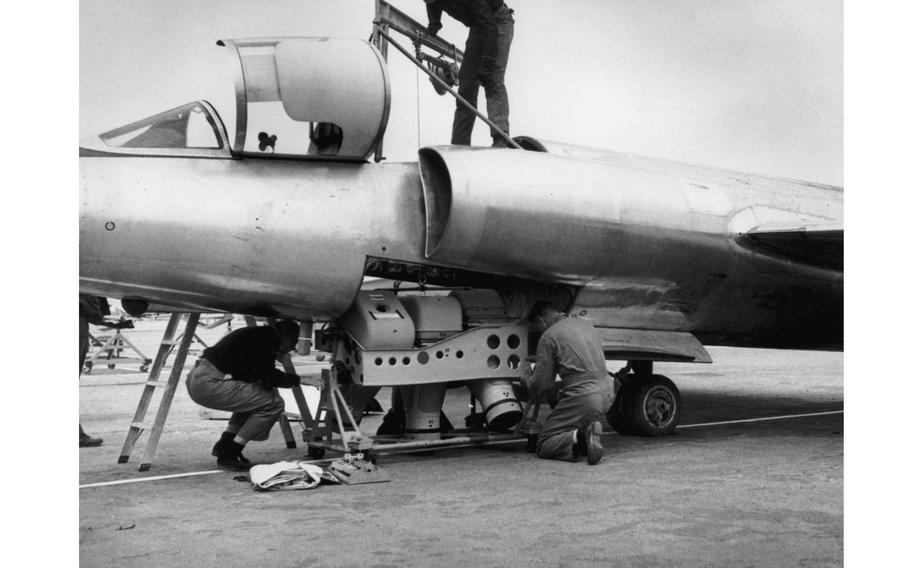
(324,433)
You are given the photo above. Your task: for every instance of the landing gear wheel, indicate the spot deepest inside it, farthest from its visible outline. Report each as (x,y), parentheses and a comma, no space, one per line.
(531,446)
(650,406)
(315,453)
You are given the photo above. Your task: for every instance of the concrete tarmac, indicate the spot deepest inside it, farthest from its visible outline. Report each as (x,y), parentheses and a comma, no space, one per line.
(754,477)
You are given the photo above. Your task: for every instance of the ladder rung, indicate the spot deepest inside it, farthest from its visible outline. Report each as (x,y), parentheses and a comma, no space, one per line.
(155,428)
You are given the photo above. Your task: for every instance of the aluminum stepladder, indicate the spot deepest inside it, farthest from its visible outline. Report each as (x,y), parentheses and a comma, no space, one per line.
(168,342)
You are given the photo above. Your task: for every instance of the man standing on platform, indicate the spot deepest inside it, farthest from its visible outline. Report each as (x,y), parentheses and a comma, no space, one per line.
(486,55)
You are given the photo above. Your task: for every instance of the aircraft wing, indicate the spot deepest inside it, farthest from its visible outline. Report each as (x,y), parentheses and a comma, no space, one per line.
(819,245)
(649,345)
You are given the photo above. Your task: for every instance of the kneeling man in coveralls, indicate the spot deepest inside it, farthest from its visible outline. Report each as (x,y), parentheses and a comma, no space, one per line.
(571,348)
(238,374)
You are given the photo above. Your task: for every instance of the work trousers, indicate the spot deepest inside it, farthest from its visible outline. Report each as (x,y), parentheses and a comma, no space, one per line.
(579,403)
(469,81)
(255,407)
(83,341)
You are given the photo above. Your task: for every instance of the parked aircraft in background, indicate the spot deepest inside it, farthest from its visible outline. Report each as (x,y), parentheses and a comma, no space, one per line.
(289,218)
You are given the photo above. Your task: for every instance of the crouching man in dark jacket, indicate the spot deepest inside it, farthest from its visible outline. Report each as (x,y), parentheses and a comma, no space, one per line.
(238,374)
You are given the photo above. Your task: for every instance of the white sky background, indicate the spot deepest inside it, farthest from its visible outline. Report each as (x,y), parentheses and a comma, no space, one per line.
(753,85)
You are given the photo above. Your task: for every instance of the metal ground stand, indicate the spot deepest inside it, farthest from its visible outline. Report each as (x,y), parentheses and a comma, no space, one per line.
(110,349)
(352,441)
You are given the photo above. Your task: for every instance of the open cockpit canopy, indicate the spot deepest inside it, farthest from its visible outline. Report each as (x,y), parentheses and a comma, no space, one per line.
(317,98)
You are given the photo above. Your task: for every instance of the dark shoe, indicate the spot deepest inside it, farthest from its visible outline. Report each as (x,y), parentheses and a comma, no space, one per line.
(86,441)
(500,143)
(232,457)
(580,448)
(218,452)
(592,437)
(219,448)
(236,463)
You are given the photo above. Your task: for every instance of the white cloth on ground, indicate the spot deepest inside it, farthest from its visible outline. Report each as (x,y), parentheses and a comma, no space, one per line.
(287,475)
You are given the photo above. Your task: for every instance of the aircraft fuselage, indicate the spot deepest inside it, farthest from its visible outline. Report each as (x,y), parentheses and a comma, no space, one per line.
(629,242)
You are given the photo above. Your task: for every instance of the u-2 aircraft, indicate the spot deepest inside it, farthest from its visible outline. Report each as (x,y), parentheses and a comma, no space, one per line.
(292,218)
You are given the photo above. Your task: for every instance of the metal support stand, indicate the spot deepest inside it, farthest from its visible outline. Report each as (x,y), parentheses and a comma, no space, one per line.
(334,413)
(352,468)
(320,439)
(109,351)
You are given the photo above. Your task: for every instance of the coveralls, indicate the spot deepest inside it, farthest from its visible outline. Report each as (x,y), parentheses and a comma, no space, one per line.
(486,53)
(238,374)
(571,348)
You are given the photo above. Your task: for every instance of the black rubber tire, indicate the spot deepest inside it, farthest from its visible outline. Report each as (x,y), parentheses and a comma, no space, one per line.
(315,453)
(531,446)
(650,406)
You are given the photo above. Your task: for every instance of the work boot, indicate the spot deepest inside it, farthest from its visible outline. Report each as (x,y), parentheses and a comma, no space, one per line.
(232,458)
(86,441)
(592,438)
(218,448)
(580,447)
(499,142)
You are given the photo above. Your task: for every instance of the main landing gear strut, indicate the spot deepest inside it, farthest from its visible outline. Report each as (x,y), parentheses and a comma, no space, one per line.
(646,404)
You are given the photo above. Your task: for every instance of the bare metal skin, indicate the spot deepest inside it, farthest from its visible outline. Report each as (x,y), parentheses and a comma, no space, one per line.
(637,244)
